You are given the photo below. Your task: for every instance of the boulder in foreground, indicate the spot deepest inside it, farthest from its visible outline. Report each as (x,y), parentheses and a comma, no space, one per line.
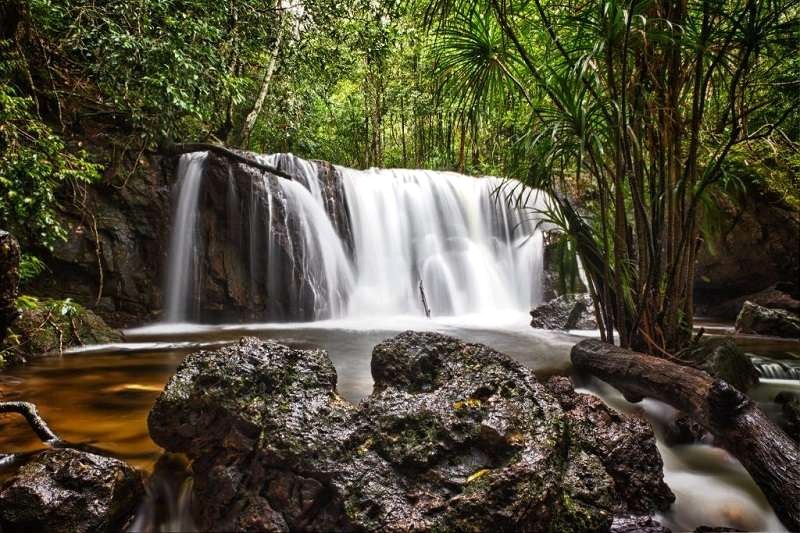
(454,436)
(66,490)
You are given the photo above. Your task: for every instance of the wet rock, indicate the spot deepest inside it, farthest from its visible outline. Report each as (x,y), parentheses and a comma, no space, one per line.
(684,430)
(625,445)
(779,296)
(50,326)
(790,411)
(570,311)
(723,359)
(754,318)
(9,282)
(637,524)
(71,491)
(241,209)
(454,436)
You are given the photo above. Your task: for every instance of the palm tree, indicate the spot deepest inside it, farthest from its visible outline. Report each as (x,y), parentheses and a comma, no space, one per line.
(640,101)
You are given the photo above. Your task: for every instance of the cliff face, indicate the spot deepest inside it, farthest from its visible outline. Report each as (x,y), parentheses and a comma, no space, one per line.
(759,246)
(239,206)
(254,260)
(117,240)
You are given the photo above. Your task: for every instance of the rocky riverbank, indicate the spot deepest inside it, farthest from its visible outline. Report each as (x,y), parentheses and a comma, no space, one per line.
(454,435)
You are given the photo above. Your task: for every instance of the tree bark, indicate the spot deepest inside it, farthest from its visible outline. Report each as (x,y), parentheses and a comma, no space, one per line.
(186,148)
(250,120)
(9,281)
(39,426)
(738,425)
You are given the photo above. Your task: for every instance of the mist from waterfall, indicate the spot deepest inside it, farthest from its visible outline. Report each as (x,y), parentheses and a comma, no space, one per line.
(455,237)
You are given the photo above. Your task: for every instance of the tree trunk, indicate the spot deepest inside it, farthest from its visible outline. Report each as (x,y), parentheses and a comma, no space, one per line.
(186,148)
(250,120)
(738,425)
(9,281)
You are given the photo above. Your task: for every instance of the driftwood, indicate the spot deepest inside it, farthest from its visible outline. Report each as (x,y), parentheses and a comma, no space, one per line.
(424,300)
(37,423)
(738,425)
(186,148)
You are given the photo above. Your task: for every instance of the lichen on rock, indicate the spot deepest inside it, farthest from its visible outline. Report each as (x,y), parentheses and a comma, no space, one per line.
(454,436)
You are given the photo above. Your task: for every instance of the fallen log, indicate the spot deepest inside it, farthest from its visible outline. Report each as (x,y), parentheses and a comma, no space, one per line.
(738,425)
(187,148)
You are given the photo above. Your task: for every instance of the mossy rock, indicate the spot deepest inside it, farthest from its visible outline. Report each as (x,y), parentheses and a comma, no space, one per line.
(454,437)
(46,327)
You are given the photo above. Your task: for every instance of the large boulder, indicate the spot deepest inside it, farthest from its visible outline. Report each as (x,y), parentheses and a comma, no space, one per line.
(754,318)
(570,311)
(454,436)
(71,491)
(722,358)
(758,245)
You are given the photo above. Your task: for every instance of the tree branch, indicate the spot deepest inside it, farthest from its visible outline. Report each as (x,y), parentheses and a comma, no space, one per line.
(186,148)
(37,423)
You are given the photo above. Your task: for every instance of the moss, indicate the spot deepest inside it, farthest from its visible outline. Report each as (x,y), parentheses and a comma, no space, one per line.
(49,326)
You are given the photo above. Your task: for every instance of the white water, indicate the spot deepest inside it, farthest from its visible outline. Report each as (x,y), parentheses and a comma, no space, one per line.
(472,252)
(182,252)
(457,235)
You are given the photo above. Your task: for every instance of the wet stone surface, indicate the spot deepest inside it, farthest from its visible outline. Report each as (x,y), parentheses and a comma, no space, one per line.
(66,490)
(454,436)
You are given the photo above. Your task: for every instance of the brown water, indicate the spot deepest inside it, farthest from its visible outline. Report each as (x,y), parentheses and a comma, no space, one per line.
(102,397)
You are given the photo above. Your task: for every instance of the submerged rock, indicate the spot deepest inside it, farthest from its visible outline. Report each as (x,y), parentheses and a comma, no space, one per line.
(570,311)
(71,491)
(754,318)
(723,359)
(454,436)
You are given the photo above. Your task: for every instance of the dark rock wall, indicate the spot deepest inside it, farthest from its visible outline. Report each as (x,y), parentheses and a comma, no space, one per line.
(131,221)
(242,272)
(759,245)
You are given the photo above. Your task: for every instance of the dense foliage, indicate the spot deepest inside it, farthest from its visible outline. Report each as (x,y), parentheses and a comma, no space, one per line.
(638,112)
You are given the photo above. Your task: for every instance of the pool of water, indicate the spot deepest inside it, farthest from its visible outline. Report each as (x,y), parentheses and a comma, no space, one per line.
(101,396)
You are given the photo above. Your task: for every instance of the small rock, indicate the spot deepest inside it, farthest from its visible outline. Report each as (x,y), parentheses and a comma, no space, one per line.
(636,524)
(71,491)
(570,311)
(754,318)
(684,430)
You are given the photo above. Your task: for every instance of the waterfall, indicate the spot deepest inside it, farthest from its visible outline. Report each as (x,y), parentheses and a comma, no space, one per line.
(182,253)
(336,242)
(472,252)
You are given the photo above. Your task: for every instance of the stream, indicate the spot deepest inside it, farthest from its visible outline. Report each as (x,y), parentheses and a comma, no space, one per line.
(101,395)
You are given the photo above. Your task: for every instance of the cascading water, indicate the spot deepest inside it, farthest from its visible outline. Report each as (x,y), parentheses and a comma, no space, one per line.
(366,248)
(472,252)
(182,252)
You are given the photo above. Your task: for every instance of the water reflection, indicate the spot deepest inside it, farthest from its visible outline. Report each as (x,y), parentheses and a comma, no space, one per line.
(102,397)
